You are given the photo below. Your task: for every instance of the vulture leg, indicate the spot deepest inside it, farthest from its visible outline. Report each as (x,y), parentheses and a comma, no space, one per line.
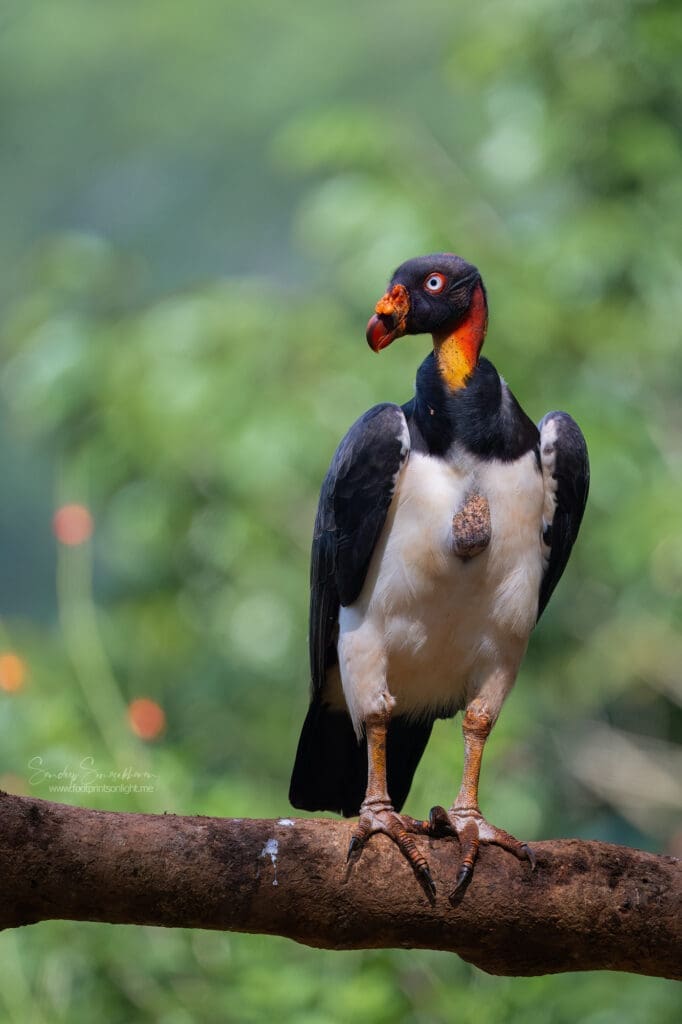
(377,813)
(464,818)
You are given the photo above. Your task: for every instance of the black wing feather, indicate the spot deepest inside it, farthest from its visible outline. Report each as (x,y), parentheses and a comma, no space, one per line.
(354,500)
(566,470)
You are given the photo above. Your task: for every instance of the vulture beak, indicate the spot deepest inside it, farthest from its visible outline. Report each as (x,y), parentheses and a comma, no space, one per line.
(390,318)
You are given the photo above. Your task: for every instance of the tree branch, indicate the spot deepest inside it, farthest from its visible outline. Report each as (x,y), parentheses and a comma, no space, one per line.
(588,906)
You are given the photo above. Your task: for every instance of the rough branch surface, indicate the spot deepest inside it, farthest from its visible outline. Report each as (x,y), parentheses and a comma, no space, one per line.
(588,906)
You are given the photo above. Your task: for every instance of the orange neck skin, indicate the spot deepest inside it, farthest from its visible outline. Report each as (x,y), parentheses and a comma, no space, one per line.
(457,351)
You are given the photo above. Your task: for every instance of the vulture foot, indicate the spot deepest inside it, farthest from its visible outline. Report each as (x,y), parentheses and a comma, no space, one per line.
(381,817)
(472,829)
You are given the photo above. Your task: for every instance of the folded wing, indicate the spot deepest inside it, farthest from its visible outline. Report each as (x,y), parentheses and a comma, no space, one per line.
(330,772)
(566,475)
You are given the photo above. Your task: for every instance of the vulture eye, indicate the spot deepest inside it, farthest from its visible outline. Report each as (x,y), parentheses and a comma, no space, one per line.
(434,283)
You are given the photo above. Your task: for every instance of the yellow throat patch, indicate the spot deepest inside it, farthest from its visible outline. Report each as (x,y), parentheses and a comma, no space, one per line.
(457,352)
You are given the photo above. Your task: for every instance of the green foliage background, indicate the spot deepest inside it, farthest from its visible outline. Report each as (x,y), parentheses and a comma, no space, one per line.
(200,205)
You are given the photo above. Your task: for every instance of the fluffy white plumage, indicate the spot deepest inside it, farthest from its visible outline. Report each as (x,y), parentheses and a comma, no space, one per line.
(429,630)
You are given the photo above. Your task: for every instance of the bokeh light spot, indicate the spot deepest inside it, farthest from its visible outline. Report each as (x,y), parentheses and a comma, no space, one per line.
(146,718)
(12,672)
(72,525)
(10,783)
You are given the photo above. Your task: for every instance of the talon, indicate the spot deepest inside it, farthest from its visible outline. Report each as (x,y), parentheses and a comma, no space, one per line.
(426,875)
(463,876)
(353,845)
(380,817)
(438,819)
(472,830)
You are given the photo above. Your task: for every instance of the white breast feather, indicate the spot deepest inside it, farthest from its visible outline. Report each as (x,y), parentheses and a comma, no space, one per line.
(427,624)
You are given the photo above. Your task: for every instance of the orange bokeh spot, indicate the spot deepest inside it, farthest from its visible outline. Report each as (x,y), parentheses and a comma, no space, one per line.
(14,784)
(72,524)
(12,672)
(146,718)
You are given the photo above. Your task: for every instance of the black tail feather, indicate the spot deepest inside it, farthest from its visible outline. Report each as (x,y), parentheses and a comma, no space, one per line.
(330,771)
(404,748)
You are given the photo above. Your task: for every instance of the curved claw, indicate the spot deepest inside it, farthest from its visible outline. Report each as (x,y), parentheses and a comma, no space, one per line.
(463,876)
(400,829)
(353,845)
(471,828)
(428,879)
(438,820)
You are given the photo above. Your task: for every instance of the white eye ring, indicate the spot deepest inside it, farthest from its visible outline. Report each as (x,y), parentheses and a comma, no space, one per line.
(434,283)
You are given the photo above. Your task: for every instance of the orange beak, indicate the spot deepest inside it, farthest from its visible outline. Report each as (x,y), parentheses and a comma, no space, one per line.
(390,318)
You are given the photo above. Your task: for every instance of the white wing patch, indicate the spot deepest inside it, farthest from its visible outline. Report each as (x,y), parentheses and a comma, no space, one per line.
(548,441)
(405,444)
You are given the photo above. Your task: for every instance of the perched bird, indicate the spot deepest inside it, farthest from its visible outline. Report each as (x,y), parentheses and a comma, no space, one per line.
(442,529)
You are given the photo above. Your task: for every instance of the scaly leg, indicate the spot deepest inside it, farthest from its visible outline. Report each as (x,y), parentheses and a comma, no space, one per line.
(377,813)
(464,818)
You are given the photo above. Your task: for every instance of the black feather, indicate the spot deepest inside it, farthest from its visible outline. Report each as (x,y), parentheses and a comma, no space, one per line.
(330,771)
(572,476)
(354,501)
(483,417)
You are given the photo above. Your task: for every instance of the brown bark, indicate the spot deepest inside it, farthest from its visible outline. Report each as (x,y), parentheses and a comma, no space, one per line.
(588,906)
